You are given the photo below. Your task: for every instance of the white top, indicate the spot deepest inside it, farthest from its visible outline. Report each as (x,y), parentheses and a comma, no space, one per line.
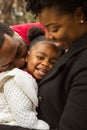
(18,100)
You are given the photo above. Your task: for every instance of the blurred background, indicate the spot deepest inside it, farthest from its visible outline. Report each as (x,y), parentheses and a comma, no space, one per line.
(13,12)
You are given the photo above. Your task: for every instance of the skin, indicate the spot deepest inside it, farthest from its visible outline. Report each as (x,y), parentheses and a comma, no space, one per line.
(64,29)
(41,59)
(12,53)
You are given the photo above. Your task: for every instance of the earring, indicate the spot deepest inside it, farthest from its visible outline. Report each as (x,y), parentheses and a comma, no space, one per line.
(81,21)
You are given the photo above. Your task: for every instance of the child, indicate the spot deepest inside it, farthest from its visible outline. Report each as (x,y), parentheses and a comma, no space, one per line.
(18,95)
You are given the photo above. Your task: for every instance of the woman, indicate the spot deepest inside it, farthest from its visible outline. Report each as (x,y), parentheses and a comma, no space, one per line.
(65,107)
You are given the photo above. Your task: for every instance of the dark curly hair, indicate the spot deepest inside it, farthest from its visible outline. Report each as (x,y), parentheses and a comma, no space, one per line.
(35,34)
(65,6)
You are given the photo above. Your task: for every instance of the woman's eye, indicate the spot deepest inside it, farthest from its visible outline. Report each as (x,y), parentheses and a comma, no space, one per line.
(54,30)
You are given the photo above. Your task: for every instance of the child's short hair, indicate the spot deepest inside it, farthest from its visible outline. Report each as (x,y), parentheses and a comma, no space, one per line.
(35,34)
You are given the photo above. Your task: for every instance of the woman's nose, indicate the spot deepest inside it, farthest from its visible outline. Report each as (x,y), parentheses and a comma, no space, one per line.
(48,35)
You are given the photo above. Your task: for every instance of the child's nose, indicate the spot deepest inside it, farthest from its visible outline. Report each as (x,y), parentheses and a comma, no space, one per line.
(45,63)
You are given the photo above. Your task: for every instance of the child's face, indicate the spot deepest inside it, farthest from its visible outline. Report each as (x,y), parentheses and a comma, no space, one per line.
(12,53)
(41,59)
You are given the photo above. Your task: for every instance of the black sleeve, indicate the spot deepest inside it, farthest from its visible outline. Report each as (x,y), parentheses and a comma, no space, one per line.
(8,127)
(74,116)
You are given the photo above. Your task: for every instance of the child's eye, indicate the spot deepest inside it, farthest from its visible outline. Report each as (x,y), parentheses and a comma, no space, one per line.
(53,62)
(39,57)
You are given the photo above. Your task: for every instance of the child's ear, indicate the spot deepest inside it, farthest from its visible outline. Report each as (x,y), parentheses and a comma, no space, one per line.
(27,56)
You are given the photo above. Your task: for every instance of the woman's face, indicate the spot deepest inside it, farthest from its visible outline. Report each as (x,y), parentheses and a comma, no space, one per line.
(63,29)
(41,59)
